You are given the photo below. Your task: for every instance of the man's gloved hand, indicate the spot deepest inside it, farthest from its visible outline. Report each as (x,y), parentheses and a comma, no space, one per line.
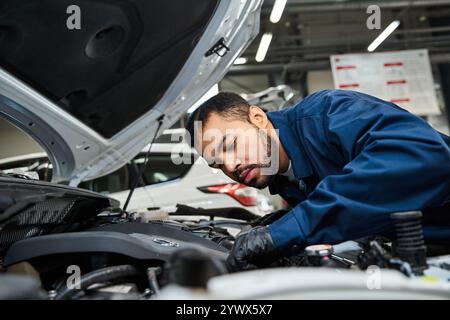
(252,249)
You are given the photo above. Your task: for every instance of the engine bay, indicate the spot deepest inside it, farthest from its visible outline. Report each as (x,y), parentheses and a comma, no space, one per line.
(73,244)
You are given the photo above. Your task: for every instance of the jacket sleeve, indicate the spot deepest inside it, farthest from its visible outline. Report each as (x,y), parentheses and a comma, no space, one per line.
(395,162)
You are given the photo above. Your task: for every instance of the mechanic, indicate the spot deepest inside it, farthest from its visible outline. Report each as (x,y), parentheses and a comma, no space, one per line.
(346,160)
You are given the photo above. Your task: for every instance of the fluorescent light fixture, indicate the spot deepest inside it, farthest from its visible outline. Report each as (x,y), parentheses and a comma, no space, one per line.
(263,46)
(209,94)
(240,60)
(277,10)
(386,32)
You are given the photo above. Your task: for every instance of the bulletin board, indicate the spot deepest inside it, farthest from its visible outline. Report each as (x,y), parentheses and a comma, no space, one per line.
(402,77)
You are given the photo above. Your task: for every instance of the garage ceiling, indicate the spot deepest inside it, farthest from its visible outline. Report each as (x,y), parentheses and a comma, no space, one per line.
(312,30)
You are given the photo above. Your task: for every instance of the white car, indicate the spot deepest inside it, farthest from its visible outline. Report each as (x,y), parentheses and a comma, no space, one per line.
(194,183)
(93,96)
(166,181)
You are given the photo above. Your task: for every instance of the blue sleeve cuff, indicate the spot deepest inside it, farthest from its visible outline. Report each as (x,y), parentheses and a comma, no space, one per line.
(286,232)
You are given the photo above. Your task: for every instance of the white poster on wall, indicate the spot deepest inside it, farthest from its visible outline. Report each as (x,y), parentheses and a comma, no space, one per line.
(402,77)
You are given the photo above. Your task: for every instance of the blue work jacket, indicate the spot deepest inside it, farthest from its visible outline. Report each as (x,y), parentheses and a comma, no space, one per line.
(357,159)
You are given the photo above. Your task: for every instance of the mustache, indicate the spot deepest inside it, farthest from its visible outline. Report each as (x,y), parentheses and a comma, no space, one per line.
(239,171)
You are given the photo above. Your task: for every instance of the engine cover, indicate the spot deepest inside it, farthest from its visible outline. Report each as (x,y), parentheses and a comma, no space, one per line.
(141,241)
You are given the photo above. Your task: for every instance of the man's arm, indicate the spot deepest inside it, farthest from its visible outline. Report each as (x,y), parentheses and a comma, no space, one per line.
(397,163)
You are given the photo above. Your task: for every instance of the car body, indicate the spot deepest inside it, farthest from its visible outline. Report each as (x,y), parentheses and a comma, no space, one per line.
(94,97)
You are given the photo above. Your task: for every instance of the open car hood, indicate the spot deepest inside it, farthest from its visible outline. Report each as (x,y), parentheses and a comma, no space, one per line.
(92,96)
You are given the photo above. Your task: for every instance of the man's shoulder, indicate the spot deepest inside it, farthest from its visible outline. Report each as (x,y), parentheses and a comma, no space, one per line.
(315,103)
(328,96)
(330,101)
(324,103)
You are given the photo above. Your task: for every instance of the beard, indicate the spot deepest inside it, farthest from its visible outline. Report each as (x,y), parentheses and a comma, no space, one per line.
(261,181)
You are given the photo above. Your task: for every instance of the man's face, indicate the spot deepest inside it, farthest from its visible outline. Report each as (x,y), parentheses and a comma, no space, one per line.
(243,150)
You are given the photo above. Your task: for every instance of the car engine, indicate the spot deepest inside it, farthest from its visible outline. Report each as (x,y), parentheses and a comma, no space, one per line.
(64,243)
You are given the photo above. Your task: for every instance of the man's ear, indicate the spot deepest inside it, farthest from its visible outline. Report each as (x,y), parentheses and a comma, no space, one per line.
(258,117)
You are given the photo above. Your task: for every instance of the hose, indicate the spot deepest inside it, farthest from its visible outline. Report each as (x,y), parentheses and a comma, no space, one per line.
(100,275)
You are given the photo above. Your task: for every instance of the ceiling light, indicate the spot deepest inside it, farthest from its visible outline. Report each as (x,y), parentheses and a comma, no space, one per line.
(386,32)
(263,46)
(277,10)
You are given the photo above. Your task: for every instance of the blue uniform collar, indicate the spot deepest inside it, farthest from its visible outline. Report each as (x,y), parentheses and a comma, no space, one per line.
(291,142)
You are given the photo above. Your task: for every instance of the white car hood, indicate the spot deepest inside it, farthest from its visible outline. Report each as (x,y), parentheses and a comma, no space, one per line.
(87,137)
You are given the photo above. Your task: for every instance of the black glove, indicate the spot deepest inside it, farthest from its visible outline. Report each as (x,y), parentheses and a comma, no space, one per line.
(252,249)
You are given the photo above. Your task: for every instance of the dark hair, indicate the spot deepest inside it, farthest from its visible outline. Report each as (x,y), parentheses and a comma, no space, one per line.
(228,105)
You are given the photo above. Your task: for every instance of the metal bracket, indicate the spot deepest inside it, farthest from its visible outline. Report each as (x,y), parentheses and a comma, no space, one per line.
(219,48)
